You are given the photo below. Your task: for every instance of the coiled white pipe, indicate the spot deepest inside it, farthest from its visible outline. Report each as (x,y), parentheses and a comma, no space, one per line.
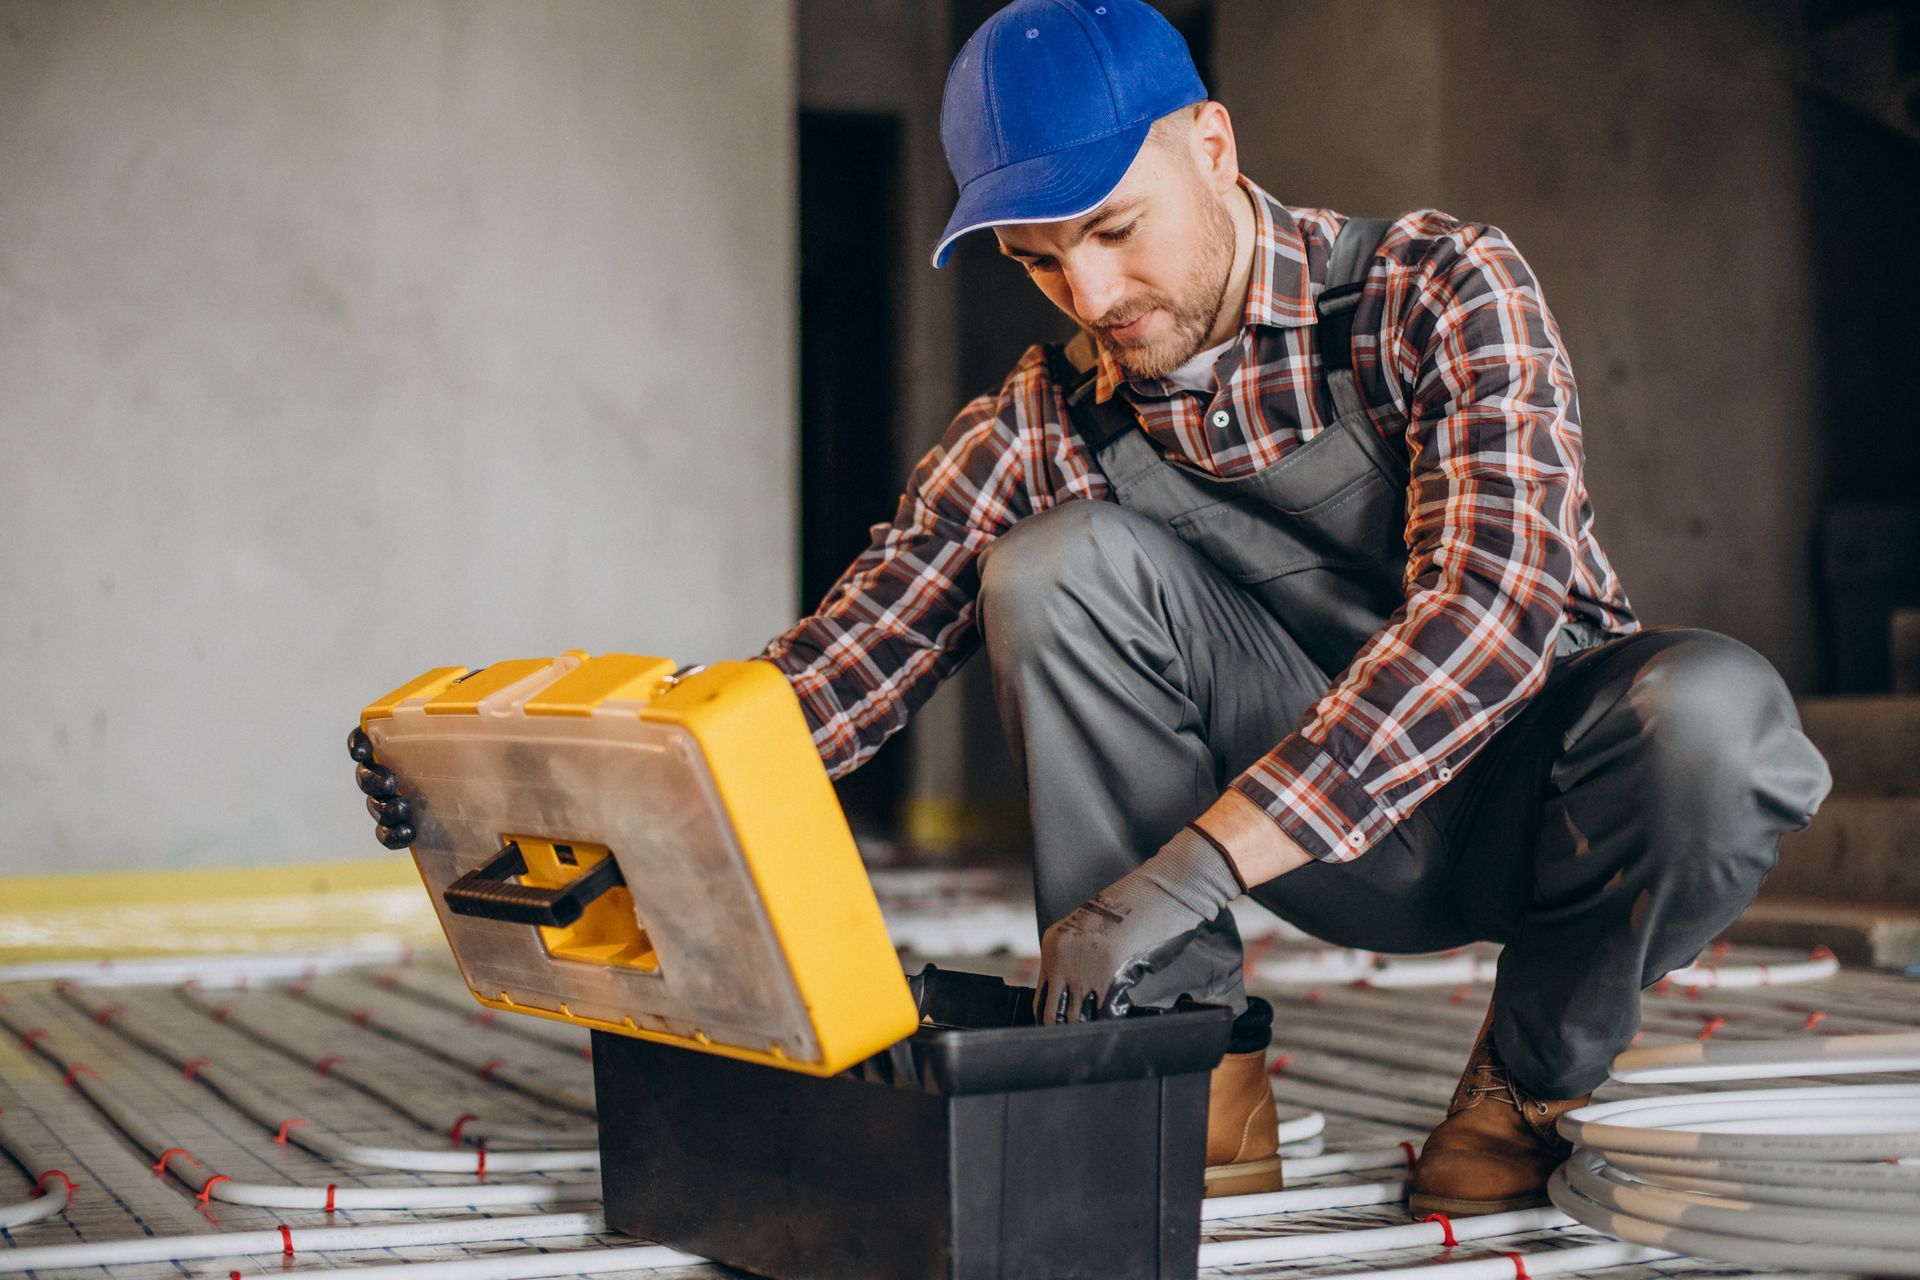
(229,1244)
(1785,1177)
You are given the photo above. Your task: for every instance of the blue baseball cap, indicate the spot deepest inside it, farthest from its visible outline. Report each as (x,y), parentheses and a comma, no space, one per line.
(1048,104)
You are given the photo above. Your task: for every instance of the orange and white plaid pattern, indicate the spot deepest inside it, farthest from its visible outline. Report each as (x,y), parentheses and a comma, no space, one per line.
(1463,371)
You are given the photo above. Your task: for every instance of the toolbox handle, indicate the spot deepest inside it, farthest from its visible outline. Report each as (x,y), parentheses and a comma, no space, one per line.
(491,893)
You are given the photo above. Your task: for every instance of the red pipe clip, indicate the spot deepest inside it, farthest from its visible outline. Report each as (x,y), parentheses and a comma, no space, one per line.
(460,1124)
(490,1066)
(40,1184)
(1713,1024)
(1519,1267)
(206,1192)
(190,1066)
(160,1165)
(280,1138)
(325,1065)
(1446,1225)
(1279,1063)
(1406,1149)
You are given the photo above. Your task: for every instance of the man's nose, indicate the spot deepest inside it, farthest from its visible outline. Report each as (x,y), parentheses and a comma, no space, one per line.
(1095,289)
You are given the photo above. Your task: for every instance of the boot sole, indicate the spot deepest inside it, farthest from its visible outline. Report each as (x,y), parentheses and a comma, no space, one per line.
(1420,1206)
(1250,1177)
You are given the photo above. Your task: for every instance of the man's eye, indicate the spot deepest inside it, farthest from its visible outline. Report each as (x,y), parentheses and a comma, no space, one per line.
(1118,234)
(1035,266)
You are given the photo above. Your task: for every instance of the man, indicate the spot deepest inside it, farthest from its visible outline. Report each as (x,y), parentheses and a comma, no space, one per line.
(1287,577)
(1321,621)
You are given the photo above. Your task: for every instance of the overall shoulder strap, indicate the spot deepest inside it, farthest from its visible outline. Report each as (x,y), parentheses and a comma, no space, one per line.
(1353,253)
(1074,368)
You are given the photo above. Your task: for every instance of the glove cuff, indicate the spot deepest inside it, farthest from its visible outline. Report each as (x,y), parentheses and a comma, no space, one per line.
(1232,868)
(1195,867)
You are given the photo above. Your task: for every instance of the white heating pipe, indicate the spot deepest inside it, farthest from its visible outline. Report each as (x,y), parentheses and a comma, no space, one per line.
(176,1160)
(527,1266)
(1348,1161)
(48,1201)
(1310,1124)
(231,1244)
(273,1116)
(212,970)
(490,1070)
(1767,1059)
(1321,1244)
(1302,1200)
(450,1116)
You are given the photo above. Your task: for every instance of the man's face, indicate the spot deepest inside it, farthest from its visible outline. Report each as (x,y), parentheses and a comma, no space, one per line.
(1146,272)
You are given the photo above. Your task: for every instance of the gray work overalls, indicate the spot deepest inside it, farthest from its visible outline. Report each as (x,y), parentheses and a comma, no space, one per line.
(1147,650)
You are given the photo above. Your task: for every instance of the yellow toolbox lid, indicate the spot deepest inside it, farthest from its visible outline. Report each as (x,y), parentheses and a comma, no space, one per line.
(665,858)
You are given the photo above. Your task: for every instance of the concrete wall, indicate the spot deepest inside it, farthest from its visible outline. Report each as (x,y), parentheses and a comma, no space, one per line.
(1647,158)
(342,340)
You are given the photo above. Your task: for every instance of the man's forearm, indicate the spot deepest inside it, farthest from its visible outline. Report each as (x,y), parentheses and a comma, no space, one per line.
(1254,843)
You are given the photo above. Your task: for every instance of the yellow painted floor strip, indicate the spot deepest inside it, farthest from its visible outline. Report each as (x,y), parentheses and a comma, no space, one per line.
(362,905)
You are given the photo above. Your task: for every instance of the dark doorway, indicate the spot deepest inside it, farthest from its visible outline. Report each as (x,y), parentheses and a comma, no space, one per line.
(850,250)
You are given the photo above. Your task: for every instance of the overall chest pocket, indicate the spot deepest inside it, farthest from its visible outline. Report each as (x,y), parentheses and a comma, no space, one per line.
(1326,505)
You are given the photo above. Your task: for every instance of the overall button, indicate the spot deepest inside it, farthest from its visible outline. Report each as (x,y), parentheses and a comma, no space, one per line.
(1355,839)
(1443,773)
(1222,419)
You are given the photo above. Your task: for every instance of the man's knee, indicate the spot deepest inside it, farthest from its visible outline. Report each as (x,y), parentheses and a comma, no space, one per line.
(1720,734)
(1040,574)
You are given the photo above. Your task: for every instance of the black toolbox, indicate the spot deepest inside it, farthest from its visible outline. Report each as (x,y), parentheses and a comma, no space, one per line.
(983,1146)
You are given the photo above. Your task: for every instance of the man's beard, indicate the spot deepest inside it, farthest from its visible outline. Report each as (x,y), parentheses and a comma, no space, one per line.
(1192,311)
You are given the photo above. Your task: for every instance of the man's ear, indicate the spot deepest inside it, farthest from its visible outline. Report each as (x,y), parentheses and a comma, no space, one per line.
(1215,154)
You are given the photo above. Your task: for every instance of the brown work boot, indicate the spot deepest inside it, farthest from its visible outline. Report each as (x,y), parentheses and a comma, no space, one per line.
(1497,1146)
(1243,1128)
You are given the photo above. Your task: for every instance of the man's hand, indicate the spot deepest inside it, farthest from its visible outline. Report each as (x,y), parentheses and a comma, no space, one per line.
(1091,961)
(392,815)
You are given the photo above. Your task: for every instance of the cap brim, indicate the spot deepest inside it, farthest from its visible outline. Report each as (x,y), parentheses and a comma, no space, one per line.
(1051,188)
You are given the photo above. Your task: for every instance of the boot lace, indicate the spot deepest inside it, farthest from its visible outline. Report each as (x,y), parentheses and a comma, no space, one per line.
(1490,1080)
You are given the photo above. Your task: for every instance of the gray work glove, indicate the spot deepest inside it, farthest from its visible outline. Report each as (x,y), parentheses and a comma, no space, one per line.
(1091,961)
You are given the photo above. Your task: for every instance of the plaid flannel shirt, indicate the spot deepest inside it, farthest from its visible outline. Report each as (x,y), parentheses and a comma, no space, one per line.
(1463,371)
